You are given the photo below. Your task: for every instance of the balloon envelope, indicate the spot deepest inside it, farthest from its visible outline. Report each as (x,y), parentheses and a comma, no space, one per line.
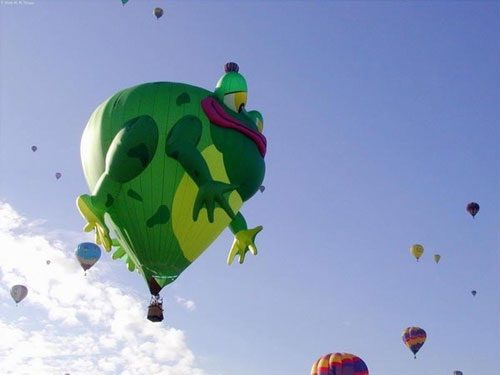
(437,257)
(58,175)
(262,188)
(339,364)
(88,254)
(158,12)
(417,251)
(150,200)
(18,292)
(414,338)
(458,373)
(474,292)
(473,208)
(34,148)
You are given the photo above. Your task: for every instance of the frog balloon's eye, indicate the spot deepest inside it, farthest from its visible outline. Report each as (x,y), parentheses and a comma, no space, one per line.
(236,100)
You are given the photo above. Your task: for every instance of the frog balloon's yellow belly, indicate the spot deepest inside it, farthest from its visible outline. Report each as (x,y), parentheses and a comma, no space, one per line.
(194,237)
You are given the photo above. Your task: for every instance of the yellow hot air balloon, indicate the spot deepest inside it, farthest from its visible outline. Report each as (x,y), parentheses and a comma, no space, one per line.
(417,251)
(437,257)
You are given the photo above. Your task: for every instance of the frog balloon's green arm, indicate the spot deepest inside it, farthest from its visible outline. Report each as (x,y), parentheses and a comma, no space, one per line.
(181,145)
(244,239)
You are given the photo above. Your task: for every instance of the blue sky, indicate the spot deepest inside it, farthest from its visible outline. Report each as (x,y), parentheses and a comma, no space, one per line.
(382,122)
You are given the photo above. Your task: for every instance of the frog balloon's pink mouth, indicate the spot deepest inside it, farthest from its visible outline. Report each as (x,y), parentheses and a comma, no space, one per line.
(218,116)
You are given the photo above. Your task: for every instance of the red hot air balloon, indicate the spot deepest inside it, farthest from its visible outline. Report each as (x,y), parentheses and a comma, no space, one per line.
(473,208)
(339,364)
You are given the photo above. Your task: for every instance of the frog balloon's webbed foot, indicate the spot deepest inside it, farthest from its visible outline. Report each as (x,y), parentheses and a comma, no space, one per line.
(120,253)
(210,193)
(95,221)
(244,241)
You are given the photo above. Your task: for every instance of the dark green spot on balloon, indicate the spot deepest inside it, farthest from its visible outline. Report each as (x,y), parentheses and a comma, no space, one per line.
(109,200)
(183,98)
(140,152)
(135,195)
(132,149)
(161,216)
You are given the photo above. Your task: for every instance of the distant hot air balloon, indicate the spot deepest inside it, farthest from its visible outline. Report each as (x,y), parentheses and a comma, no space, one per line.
(458,373)
(124,2)
(18,293)
(417,251)
(158,12)
(437,257)
(262,188)
(473,208)
(87,254)
(414,338)
(34,148)
(48,262)
(339,364)
(58,175)
(474,293)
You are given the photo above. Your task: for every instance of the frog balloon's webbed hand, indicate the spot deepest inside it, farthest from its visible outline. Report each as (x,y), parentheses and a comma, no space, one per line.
(211,192)
(244,239)
(95,220)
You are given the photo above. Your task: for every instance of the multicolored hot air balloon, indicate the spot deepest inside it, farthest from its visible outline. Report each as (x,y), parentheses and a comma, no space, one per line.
(437,257)
(458,373)
(18,293)
(417,251)
(414,338)
(158,12)
(473,208)
(34,148)
(87,254)
(474,293)
(339,364)
(58,175)
(171,165)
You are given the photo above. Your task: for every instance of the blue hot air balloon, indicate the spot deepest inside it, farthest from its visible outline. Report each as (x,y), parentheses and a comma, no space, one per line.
(88,254)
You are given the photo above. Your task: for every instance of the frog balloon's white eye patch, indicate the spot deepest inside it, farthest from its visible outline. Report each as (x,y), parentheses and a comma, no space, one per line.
(236,100)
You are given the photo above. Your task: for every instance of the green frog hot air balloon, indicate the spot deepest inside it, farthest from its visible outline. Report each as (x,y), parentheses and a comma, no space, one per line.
(169,166)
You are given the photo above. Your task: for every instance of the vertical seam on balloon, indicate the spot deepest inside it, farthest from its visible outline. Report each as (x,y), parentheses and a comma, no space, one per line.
(168,240)
(143,224)
(182,199)
(155,227)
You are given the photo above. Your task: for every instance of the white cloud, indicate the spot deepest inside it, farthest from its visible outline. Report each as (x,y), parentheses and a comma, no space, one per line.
(186,303)
(74,324)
